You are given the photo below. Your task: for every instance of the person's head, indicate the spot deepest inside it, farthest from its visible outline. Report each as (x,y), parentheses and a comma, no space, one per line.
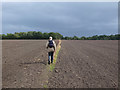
(50,38)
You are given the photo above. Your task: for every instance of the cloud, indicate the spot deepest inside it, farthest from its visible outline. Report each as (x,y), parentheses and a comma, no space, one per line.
(69,19)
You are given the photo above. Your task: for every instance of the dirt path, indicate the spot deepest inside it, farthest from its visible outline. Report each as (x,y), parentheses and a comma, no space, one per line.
(84,64)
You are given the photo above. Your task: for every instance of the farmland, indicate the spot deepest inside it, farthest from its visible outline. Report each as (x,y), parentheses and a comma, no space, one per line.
(80,64)
(23,63)
(86,64)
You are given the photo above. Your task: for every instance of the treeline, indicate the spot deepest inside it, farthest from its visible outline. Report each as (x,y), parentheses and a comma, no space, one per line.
(31,35)
(40,35)
(96,37)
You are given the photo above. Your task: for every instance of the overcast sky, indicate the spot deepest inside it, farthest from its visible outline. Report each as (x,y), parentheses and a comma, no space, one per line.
(69,19)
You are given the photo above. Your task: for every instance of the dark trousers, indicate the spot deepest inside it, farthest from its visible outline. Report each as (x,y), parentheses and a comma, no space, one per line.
(50,56)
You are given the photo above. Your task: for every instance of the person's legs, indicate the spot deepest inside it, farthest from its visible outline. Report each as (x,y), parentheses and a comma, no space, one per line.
(52,57)
(49,55)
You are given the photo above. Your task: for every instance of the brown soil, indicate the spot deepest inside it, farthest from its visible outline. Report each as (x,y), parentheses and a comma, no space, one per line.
(24,63)
(80,64)
(86,64)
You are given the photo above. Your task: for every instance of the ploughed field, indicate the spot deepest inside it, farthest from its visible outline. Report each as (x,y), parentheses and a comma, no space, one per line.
(23,63)
(86,64)
(80,64)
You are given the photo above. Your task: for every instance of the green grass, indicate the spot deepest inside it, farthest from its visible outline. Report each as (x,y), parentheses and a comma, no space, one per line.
(45,86)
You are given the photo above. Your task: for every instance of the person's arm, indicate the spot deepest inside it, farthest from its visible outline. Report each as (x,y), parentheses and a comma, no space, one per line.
(54,44)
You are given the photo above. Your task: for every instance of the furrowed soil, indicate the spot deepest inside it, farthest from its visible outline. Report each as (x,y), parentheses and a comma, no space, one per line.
(24,63)
(86,64)
(80,64)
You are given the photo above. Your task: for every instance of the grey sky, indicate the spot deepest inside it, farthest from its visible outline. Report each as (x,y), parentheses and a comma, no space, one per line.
(69,19)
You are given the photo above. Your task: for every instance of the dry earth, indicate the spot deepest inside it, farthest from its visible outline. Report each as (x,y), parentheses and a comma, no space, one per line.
(80,64)
(86,64)
(24,63)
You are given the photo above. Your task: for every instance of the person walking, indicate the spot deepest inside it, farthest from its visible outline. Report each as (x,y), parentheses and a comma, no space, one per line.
(51,46)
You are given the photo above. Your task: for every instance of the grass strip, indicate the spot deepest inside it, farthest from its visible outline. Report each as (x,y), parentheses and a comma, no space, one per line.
(52,66)
(45,86)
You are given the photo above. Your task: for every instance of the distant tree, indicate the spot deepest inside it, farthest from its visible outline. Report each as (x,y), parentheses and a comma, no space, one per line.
(59,36)
(75,38)
(10,36)
(45,35)
(66,38)
(37,35)
(30,35)
(83,38)
(0,36)
(52,34)
(3,36)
